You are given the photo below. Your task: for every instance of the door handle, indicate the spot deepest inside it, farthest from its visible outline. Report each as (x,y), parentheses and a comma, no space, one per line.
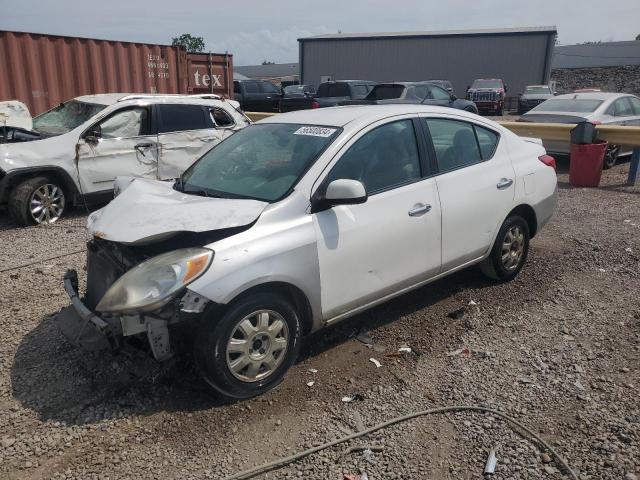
(419,209)
(140,146)
(504,183)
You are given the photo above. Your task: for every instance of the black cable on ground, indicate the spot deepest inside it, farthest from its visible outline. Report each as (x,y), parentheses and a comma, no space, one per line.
(278,463)
(35,262)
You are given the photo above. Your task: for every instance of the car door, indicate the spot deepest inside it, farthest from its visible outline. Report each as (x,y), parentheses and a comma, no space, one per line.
(390,242)
(621,112)
(271,97)
(185,133)
(438,96)
(121,144)
(476,185)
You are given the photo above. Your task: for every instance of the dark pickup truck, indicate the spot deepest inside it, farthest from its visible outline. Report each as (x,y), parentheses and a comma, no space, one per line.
(298,97)
(257,95)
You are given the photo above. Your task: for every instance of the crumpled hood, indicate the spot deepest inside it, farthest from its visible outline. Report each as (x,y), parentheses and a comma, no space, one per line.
(150,210)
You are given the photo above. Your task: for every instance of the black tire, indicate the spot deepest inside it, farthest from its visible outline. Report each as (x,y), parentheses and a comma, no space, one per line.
(610,156)
(215,335)
(22,195)
(494,266)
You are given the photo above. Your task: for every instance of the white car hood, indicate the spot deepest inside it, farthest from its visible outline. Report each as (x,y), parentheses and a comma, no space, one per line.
(151,210)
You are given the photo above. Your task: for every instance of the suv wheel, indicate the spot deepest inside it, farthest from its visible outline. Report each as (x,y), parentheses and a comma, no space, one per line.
(611,156)
(509,251)
(249,350)
(38,200)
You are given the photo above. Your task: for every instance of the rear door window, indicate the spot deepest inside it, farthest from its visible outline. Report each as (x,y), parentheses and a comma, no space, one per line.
(178,118)
(221,118)
(460,144)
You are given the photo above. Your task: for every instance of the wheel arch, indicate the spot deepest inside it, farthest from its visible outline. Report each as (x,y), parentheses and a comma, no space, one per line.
(529,214)
(289,291)
(15,177)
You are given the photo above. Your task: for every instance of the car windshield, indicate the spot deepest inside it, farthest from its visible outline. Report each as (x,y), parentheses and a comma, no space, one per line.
(294,89)
(385,92)
(65,117)
(578,105)
(261,161)
(333,90)
(537,90)
(487,84)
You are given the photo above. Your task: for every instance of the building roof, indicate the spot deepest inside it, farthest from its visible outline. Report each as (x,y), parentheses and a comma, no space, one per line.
(274,70)
(435,33)
(609,54)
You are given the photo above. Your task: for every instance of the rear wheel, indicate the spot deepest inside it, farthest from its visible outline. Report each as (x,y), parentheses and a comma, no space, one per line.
(249,350)
(38,200)
(611,156)
(509,251)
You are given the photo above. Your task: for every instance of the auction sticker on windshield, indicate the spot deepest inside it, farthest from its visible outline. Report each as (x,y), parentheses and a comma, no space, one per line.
(315,131)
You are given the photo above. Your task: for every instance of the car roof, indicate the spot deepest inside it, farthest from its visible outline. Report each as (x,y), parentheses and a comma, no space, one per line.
(108,99)
(592,95)
(341,116)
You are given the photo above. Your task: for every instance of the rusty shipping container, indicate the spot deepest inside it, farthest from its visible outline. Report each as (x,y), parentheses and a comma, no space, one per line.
(210,73)
(43,70)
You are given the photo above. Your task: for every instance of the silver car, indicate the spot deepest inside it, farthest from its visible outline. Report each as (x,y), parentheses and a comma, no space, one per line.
(596,107)
(300,221)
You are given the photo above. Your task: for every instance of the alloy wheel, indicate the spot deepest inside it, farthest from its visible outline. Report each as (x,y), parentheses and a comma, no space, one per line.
(512,248)
(257,346)
(47,203)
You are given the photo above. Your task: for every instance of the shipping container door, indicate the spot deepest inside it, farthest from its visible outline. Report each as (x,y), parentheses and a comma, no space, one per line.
(185,133)
(121,144)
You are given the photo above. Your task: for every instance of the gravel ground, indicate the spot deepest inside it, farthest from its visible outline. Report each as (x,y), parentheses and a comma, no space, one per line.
(558,349)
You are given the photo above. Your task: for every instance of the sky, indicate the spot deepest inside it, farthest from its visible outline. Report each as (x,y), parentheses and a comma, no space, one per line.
(254,31)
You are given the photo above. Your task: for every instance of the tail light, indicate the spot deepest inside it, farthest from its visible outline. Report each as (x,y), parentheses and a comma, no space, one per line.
(596,122)
(548,160)
(315,104)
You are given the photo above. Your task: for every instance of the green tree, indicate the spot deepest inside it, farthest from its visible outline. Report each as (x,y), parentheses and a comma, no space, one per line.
(191,43)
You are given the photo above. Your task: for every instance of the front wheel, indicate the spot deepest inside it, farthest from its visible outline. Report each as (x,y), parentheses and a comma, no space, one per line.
(611,156)
(509,251)
(38,200)
(249,350)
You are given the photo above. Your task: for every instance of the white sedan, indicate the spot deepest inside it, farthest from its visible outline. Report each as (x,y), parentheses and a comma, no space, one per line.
(300,221)
(595,107)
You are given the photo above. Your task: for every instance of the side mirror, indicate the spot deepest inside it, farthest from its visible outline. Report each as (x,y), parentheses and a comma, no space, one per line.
(93,135)
(555,93)
(340,192)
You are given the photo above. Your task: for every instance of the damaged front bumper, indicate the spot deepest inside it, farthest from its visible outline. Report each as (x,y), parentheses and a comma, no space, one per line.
(82,327)
(87,330)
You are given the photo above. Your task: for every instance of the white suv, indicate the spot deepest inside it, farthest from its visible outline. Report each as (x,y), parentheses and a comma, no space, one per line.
(302,220)
(74,151)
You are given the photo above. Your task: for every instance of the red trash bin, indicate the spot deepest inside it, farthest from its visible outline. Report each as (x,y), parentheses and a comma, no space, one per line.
(585,164)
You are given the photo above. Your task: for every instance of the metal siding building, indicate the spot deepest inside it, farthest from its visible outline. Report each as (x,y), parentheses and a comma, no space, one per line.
(608,54)
(520,56)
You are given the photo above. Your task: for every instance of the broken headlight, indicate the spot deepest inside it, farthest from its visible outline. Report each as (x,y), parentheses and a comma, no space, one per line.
(154,282)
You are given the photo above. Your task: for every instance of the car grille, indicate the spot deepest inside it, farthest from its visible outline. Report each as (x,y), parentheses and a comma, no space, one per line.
(483,96)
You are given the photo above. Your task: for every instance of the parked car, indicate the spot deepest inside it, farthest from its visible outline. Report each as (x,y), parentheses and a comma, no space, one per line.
(595,107)
(413,92)
(446,84)
(488,94)
(74,151)
(533,96)
(257,95)
(298,97)
(330,94)
(302,220)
